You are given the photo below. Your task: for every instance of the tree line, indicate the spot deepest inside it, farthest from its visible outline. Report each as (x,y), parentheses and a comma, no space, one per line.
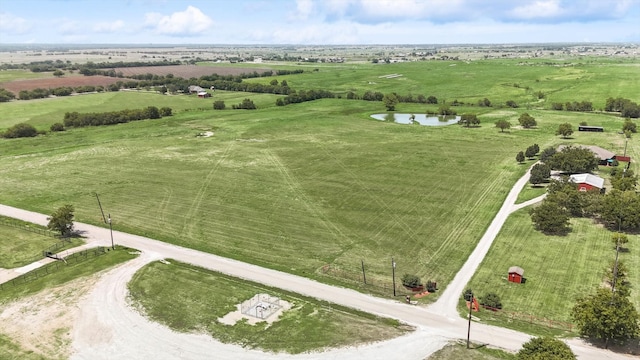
(75,119)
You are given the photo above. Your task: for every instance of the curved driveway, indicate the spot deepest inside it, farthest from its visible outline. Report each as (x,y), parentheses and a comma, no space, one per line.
(440,319)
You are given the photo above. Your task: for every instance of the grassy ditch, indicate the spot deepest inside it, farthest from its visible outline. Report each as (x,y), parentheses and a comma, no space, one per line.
(191,299)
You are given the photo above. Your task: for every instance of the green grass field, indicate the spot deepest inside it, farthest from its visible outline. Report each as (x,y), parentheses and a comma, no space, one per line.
(298,187)
(11,75)
(551,265)
(191,299)
(20,247)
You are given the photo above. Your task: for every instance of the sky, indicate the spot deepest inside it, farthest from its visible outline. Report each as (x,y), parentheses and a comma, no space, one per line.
(318,22)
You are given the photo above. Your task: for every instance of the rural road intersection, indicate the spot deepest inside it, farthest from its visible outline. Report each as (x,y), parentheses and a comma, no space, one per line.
(436,323)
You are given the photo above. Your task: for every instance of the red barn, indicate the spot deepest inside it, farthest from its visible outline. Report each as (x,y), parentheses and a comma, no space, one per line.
(516,274)
(587,182)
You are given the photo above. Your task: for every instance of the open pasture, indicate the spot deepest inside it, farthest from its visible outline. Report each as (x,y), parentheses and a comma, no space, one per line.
(470,81)
(301,186)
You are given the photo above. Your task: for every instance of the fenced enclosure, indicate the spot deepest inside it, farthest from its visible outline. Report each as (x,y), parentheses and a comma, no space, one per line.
(372,284)
(55,266)
(260,306)
(55,247)
(24,226)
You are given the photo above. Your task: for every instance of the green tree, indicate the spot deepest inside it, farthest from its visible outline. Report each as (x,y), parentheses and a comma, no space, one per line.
(6,95)
(565,130)
(62,220)
(545,348)
(547,154)
(57,127)
(469,119)
(621,209)
(550,218)
(606,316)
(618,273)
(219,105)
(530,152)
(573,160)
(623,180)
(520,157)
(619,239)
(536,148)
(511,104)
(58,73)
(629,125)
(502,125)
(166,111)
(411,281)
(390,101)
(491,300)
(20,130)
(445,109)
(527,121)
(539,173)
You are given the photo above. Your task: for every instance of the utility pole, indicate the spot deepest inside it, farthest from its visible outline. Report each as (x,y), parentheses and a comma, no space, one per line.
(111,232)
(364,276)
(393,275)
(469,324)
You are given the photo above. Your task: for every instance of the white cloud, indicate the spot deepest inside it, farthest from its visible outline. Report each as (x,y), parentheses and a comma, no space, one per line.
(538,9)
(70,27)
(304,9)
(191,22)
(13,24)
(108,27)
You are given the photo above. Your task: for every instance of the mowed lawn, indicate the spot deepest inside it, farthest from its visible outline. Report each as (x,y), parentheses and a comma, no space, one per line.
(191,299)
(558,269)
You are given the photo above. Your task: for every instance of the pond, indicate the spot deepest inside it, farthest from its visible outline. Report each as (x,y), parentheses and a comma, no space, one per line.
(426,120)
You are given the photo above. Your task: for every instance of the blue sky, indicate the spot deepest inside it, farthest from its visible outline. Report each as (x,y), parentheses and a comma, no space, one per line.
(319,22)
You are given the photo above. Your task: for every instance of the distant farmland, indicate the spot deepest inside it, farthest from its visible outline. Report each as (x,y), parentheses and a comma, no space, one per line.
(50,83)
(186,71)
(183,71)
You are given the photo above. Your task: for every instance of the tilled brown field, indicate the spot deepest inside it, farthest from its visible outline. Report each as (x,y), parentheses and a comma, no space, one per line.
(187,71)
(183,71)
(51,83)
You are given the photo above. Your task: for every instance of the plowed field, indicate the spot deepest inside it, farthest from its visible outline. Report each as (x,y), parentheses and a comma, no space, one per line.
(183,71)
(51,83)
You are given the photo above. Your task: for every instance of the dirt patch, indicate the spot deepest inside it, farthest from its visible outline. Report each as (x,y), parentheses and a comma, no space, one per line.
(52,83)
(233,317)
(42,322)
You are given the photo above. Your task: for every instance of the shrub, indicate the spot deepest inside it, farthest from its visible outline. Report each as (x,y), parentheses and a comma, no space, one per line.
(57,127)
(511,104)
(219,105)
(431,286)
(491,300)
(411,281)
(19,131)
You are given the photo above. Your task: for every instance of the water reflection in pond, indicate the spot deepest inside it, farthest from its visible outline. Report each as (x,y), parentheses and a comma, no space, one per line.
(427,120)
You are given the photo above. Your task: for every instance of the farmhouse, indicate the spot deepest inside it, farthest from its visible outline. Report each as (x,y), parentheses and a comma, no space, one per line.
(516,274)
(606,157)
(194,89)
(587,182)
(203,94)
